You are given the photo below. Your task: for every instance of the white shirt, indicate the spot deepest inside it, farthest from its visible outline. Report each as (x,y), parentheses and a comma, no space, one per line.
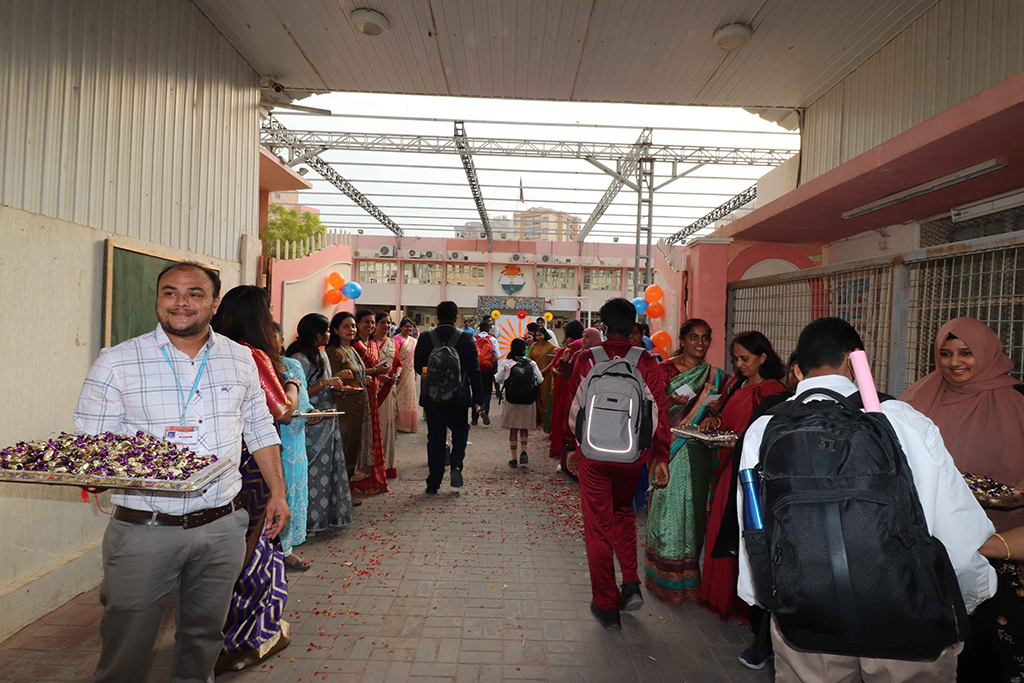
(131,387)
(494,342)
(506,365)
(950,509)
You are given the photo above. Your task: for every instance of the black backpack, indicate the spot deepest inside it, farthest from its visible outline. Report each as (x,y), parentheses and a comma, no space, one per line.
(444,371)
(521,384)
(845,561)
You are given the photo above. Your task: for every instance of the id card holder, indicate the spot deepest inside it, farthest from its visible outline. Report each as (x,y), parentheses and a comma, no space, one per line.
(184,435)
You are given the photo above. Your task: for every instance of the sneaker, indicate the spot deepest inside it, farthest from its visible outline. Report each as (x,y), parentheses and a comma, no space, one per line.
(487,418)
(513,463)
(754,659)
(632,598)
(524,459)
(456,478)
(609,618)
(431,491)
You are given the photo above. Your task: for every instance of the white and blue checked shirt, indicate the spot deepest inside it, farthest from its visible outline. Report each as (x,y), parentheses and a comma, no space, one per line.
(130,388)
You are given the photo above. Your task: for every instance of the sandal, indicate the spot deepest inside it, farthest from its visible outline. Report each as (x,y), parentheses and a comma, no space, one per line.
(295,563)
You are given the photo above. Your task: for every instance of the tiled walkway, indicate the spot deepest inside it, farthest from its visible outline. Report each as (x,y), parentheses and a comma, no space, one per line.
(486,584)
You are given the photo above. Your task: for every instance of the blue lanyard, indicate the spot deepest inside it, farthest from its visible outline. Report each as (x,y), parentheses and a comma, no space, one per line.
(195,385)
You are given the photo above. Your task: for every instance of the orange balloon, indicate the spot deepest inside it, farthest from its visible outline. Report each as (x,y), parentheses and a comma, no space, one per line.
(335,280)
(333,296)
(661,338)
(655,310)
(652,294)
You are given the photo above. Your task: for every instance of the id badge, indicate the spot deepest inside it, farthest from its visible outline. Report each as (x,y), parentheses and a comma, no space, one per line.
(185,435)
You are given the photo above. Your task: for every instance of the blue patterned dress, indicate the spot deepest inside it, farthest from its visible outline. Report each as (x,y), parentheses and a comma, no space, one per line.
(293,458)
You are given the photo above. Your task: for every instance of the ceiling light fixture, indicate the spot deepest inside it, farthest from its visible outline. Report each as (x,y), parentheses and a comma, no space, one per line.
(931,186)
(370,22)
(732,37)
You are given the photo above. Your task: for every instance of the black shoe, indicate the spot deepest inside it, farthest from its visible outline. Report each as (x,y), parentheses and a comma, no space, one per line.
(456,478)
(524,459)
(487,418)
(473,422)
(609,618)
(513,464)
(431,491)
(632,598)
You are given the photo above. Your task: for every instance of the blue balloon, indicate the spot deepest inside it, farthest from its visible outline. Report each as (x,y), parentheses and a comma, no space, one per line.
(353,290)
(640,304)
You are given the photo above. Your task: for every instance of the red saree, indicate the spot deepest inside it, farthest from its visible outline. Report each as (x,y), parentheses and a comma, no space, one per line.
(561,401)
(277,399)
(374,479)
(718,582)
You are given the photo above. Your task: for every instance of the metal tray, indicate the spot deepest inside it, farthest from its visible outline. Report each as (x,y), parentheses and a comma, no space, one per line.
(1008,502)
(194,483)
(320,413)
(688,432)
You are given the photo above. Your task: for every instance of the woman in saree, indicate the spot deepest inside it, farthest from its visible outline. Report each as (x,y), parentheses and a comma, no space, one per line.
(676,514)
(759,375)
(407,417)
(347,364)
(542,352)
(330,501)
(561,369)
(371,475)
(254,629)
(386,397)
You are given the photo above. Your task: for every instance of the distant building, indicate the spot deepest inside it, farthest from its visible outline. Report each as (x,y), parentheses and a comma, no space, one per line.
(291,200)
(502,228)
(540,223)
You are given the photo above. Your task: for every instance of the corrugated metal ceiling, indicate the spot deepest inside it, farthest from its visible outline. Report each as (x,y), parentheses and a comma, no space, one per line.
(642,51)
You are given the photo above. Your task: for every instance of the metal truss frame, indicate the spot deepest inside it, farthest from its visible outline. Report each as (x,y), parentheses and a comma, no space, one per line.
(462,143)
(626,167)
(748,195)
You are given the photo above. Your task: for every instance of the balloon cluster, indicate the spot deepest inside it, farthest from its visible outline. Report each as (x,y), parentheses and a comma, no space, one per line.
(661,340)
(338,290)
(650,303)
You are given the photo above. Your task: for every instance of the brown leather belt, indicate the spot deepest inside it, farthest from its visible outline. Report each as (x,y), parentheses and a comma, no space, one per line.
(189,521)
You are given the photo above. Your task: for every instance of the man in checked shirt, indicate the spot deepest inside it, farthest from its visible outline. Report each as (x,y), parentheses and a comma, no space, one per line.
(185,382)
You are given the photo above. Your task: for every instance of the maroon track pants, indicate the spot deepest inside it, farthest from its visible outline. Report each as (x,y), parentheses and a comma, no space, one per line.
(609,526)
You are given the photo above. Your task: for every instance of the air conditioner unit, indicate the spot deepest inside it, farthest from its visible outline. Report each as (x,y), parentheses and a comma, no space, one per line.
(518,258)
(547,258)
(414,253)
(455,256)
(386,250)
(430,254)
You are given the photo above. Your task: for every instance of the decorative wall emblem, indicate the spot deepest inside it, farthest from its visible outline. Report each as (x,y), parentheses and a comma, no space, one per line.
(512,280)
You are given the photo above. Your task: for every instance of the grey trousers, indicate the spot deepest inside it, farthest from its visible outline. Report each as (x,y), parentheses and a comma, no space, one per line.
(142,565)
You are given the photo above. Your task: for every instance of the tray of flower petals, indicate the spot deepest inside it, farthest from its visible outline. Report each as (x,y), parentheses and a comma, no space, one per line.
(716,439)
(110,460)
(992,494)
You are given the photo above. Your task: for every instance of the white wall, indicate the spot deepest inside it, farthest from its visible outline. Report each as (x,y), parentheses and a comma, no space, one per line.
(134,119)
(953,51)
(51,276)
(892,240)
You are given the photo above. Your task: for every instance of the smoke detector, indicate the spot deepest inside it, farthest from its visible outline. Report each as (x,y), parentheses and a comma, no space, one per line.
(732,37)
(370,22)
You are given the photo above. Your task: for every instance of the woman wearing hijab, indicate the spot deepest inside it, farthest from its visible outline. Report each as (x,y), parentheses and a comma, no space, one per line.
(979,408)
(561,368)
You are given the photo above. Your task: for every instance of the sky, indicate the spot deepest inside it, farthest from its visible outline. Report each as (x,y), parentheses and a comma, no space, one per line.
(429,195)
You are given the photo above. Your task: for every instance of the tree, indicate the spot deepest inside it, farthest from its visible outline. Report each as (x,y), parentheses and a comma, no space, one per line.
(290,225)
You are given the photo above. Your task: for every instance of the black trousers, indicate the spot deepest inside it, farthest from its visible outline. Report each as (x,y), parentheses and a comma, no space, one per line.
(439,421)
(487,382)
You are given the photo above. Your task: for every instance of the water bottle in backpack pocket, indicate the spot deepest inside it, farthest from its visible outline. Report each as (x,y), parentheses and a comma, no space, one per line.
(845,561)
(444,371)
(615,419)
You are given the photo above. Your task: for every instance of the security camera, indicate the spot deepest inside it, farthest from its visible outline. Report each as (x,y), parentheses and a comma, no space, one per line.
(276,87)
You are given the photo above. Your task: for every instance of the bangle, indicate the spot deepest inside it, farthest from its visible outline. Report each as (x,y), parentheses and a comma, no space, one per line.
(1005,544)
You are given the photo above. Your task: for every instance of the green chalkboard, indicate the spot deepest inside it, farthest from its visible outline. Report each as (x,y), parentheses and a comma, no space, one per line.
(130,302)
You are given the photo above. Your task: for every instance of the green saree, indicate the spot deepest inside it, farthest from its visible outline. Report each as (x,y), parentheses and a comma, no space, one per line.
(677,514)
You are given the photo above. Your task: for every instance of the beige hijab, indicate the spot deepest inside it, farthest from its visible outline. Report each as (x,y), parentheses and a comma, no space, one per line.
(981,420)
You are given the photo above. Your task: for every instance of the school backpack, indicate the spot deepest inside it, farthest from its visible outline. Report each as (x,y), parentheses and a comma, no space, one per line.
(845,561)
(485,352)
(614,420)
(444,371)
(521,384)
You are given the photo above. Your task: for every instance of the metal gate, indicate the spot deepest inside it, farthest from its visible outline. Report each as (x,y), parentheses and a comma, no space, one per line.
(897,303)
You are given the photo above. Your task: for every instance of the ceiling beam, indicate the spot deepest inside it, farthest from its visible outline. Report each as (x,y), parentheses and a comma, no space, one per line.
(626,168)
(748,195)
(275,136)
(474,183)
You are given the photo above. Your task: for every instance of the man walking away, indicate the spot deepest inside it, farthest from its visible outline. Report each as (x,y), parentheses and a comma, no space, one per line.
(619,419)
(446,357)
(873,533)
(487,353)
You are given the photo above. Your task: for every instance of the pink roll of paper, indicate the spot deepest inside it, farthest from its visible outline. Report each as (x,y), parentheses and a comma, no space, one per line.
(865,382)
